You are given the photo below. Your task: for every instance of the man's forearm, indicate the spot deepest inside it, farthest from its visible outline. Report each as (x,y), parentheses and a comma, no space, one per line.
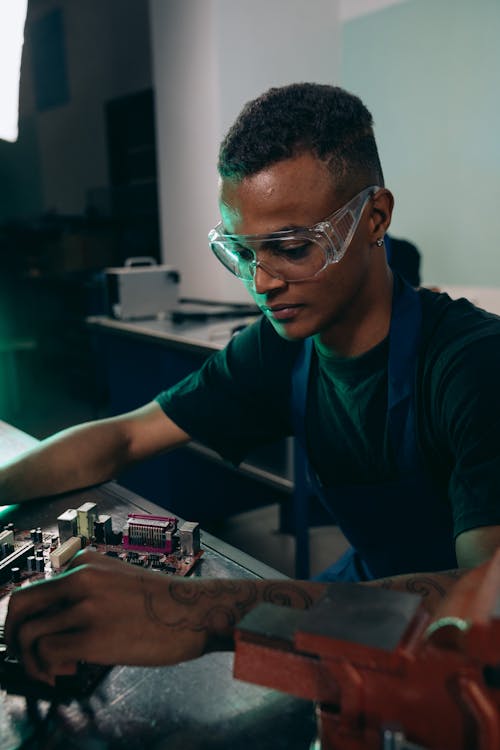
(210,609)
(77,457)
(108,612)
(217,606)
(214,607)
(432,587)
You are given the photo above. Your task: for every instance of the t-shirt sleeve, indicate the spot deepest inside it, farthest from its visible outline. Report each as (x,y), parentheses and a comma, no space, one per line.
(467,408)
(475,480)
(239,398)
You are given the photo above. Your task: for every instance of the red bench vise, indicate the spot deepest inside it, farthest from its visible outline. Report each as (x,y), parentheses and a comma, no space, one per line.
(383,672)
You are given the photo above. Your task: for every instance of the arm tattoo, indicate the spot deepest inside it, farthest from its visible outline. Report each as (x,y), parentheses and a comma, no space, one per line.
(424,585)
(287,594)
(191,593)
(386,583)
(219,616)
(216,617)
(456,574)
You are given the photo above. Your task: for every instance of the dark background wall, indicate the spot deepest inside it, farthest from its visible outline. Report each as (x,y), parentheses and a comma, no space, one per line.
(77,194)
(62,151)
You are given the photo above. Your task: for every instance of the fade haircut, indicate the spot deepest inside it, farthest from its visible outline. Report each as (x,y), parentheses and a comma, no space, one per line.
(289,120)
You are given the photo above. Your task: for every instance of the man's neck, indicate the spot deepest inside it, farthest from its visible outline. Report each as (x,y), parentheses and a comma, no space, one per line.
(366,321)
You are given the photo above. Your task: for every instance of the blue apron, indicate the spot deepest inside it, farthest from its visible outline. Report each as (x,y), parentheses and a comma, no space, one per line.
(401,526)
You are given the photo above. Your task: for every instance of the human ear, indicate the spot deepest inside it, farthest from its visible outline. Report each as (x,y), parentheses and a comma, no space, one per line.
(381,207)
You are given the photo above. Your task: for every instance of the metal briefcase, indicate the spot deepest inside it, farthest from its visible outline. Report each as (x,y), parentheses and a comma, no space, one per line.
(141,288)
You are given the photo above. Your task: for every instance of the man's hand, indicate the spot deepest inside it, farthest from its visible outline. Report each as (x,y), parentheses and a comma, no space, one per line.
(105,611)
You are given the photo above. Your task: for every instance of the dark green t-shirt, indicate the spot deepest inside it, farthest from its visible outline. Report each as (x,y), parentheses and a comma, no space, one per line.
(240,399)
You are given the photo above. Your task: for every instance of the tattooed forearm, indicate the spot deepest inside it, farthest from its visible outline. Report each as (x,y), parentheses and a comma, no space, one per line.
(215,606)
(287,594)
(190,592)
(425,586)
(218,619)
(386,583)
(418,584)
(245,593)
(235,598)
(432,587)
(456,574)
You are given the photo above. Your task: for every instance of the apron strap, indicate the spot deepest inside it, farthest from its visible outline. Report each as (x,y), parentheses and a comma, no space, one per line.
(404,340)
(302,489)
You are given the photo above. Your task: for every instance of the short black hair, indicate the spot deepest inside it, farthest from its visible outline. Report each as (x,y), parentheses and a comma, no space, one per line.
(288,120)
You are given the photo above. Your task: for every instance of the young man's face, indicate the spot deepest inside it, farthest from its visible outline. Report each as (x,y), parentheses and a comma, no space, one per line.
(297,192)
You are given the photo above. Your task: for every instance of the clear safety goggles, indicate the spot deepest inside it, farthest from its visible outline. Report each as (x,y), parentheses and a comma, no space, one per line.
(295,254)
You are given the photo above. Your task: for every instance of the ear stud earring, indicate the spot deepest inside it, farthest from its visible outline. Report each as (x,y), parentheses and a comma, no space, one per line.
(379,242)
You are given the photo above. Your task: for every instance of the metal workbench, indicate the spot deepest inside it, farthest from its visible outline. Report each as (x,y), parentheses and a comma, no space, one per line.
(196,705)
(198,338)
(139,358)
(204,337)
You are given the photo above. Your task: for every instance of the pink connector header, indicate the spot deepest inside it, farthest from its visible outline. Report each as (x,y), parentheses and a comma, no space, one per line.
(146,517)
(145,533)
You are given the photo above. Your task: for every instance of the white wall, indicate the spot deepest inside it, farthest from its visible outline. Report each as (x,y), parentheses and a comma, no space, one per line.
(187,96)
(429,70)
(209,58)
(12,20)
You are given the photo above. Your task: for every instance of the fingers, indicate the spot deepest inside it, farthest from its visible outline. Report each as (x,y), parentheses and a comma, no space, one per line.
(42,643)
(62,590)
(53,624)
(37,598)
(102,611)
(38,601)
(100,561)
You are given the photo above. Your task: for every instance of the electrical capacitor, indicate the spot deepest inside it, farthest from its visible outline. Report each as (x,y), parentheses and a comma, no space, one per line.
(15,574)
(31,563)
(40,564)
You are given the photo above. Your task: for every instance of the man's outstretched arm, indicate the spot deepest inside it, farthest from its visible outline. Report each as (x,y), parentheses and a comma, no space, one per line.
(106,611)
(88,454)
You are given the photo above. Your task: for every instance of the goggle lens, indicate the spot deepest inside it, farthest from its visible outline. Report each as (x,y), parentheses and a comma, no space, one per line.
(293,261)
(295,255)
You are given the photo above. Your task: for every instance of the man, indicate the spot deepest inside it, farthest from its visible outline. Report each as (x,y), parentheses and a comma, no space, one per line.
(393,395)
